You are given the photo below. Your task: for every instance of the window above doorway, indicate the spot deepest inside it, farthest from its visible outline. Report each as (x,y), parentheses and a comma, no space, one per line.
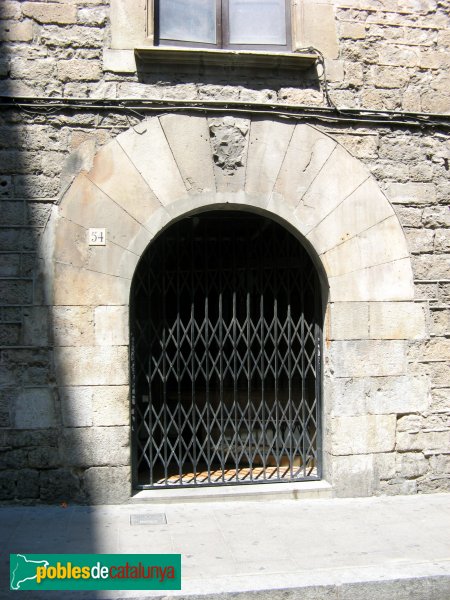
(226,24)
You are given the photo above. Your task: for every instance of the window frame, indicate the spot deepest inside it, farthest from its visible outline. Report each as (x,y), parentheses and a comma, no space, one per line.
(223,32)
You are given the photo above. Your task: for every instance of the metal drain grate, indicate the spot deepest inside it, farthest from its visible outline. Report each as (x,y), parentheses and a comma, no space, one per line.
(148,519)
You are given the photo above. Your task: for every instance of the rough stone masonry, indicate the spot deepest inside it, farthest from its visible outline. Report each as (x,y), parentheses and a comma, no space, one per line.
(386,381)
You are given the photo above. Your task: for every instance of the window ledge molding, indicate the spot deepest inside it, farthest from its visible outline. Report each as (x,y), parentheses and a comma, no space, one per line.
(169,55)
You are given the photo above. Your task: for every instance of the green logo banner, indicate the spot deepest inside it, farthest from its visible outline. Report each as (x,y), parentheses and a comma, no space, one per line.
(95,571)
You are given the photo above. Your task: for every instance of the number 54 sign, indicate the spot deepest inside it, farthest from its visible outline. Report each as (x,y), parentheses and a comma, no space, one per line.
(97,236)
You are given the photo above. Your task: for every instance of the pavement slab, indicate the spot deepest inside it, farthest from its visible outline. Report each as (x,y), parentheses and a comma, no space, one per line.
(395,548)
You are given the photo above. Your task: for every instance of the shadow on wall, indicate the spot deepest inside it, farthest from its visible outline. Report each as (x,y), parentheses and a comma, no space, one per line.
(34,466)
(228,83)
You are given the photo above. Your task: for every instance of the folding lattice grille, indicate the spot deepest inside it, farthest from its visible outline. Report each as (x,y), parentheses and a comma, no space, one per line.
(225,355)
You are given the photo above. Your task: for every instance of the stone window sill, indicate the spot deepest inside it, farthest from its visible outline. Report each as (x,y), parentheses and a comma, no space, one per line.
(225,58)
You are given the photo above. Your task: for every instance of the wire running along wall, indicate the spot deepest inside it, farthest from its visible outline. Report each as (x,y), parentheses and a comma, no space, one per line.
(225,355)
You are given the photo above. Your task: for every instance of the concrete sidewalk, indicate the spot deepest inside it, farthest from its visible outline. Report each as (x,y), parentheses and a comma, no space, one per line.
(395,548)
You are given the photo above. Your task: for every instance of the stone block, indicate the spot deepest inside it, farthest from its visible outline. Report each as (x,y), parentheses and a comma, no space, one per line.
(368,358)
(94,16)
(308,151)
(60,485)
(397,321)
(89,38)
(440,321)
(87,205)
(35,409)
(366,249)
(352,30)
(115,174)
(76,406)
(229,144)
(22,68)
(400,56)
(119,61)
(363,209)
(151,154)
(128,23)
(6,395)
(315,26)
(50,12)
(363,434)
(96,446)
(420,240)
(412,193)
(10,334)
(11,31)
(35,326)
(329,189)
(398,487)
(436,216)
(73,325)
(267,148)
(92,365)
(389,282)
(10,9)
(391,395)
(107,485)
(435,266)
(27,484)
(438,371)
(349,321)
(111,406)
(78,70)
(10,265)
(440,399)
(389,77)
(427,441)
(442,241)
(188,138)
(384,465)
(111,325)
(353,476)
(411,465)
(409,216)
(437,349)
(7,485)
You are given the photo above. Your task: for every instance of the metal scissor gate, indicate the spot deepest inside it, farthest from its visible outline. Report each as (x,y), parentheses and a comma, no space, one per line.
(225,355)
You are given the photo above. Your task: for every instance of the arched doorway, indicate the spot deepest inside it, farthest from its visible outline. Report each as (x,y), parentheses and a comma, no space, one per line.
(225,329)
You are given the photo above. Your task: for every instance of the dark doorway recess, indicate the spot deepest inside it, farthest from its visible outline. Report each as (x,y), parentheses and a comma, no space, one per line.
(225,355)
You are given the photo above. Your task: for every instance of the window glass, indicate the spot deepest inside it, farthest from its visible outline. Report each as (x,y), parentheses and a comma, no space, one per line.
(257,21)
(193,21)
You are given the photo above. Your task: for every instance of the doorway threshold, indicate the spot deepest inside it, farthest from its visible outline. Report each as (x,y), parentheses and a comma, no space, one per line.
(303,490)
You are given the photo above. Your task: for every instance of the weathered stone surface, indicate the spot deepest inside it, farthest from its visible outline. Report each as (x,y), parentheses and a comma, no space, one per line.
(28,484)
(397,320)
(349,321)
(111,325)
(78,70)
(411,465)
(412,193)
(49,12)
(119,61)
(128,27)
(363,209)
(267,148)
(423,440)
(229,144)
(35,409)
(96,446)
(364,358)
(317,25)
(111,406)
(329,189)
(7,484)
(92,365)
(390,281)
(434,266)
(436,216)
(107,485)
(397,487)
(76,406)
(440,321)
(188,138)
(16,32)
(59,485)
(384,465)
(377,395)
(353,476)
(73,325)
(114,173)
(365,250)
(420,240)
(149,151)
(363,435)
(308,151)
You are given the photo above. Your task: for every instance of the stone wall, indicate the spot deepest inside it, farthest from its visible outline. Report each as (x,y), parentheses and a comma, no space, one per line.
(395,57)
